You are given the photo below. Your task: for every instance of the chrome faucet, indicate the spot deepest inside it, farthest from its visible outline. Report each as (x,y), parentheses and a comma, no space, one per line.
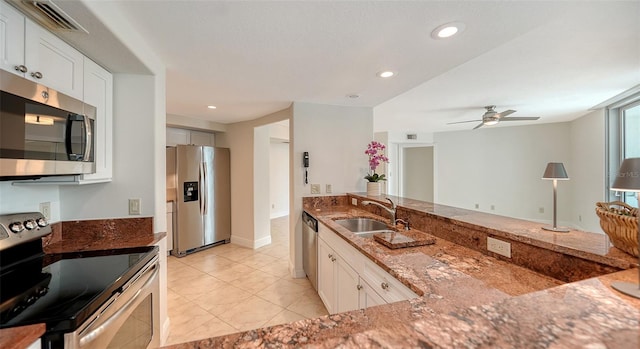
(391,211)
(404,222)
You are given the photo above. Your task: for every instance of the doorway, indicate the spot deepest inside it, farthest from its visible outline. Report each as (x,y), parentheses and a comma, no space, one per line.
(417,173)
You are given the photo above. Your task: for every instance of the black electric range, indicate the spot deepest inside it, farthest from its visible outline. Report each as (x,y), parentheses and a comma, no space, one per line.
(61,290)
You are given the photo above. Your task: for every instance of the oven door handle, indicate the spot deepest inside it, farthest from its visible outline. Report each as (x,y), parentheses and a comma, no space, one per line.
(117,318)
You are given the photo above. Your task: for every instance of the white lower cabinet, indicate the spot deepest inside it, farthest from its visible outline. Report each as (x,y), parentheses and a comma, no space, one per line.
(368,296)
(347,280)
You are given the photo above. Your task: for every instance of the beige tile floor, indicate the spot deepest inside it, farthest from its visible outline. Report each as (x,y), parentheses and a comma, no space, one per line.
(228,288)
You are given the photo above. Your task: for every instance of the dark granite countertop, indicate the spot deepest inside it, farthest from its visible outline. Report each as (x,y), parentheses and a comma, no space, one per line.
(467,299)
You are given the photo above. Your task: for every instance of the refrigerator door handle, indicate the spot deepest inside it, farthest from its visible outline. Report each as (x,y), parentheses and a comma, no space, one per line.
(201,187)
(205,189)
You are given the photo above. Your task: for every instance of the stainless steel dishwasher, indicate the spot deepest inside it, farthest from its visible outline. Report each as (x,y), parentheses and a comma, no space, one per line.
(310,248)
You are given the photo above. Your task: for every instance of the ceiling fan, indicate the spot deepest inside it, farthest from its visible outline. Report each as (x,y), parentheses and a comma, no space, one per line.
(491,117)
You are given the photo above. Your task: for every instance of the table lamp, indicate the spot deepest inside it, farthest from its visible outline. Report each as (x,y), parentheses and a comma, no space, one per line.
(555,171)
(628,179)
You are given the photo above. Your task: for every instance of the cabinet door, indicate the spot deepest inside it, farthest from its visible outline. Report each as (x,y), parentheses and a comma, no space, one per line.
(98,91)
(347,296)
(202,138)
(368,296)
(11,38)
(59,64)
(177,136)
(326,276)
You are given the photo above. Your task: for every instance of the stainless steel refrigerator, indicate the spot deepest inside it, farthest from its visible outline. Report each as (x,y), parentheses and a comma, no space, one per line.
(200,178)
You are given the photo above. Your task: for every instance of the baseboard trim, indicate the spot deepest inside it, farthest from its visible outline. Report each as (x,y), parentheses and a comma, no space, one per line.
(252,244)
(165,332)
(296,273)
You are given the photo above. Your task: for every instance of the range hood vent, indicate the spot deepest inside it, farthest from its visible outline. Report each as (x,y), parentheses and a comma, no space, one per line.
(49,14)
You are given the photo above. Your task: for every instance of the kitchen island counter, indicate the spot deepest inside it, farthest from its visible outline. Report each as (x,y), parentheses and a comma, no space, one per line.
(466,299)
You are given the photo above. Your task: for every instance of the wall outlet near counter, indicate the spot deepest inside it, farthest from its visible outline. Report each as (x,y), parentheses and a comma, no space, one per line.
(498,246)
(328,189)
(315,188)
(354,201)
(45,209)
(134,206)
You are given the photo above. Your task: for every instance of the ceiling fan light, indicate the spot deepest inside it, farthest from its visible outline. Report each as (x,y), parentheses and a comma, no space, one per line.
(489,121)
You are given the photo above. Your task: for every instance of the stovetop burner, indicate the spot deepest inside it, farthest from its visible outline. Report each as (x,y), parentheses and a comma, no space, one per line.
(61,290)
(64,293)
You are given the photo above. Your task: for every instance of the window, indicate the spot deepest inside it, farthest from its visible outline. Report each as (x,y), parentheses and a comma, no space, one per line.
(623,124)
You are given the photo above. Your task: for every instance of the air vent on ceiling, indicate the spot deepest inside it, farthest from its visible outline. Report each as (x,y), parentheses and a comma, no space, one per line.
(49,14)
(412,136)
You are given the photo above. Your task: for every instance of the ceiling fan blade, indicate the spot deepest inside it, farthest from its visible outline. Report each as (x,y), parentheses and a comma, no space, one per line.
(520,118)
(505,113)
(462,122)
(479,125)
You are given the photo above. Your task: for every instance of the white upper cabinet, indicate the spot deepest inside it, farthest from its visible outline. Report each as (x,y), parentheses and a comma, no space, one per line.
(30,51)
(11,39)
(98,91)
(177,136)
(52,62)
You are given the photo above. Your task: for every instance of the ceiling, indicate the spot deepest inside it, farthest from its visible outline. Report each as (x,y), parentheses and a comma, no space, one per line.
(549,59)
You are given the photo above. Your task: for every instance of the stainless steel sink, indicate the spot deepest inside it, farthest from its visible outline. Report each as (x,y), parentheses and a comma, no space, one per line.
(368,234)
(359,225)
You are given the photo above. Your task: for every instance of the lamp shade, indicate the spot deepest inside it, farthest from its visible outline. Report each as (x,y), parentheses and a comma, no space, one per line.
(555,170)
(628,178)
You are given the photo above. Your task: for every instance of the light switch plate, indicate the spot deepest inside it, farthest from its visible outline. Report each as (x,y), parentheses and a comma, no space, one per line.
(328,189)
(354,201)
(315,188)
(134,206)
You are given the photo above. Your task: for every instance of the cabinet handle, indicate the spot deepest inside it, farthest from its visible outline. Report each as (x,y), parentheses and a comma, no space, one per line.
(359,287)
(37,75)
(21,68)
(384,285)
(333,259)
(330,256)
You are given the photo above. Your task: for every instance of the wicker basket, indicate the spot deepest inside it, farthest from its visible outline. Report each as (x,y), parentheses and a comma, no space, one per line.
(620,222)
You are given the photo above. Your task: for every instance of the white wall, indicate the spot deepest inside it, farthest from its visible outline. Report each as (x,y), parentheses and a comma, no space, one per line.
(336,138)
(261,187)
(503,167)
(417,173)
(134,167)
(588,161)
(239,138)
(279,178)
(16,199)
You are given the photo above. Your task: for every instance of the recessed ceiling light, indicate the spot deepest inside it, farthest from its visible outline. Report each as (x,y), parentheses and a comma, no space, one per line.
(386,74)
(447,30)
(211,107)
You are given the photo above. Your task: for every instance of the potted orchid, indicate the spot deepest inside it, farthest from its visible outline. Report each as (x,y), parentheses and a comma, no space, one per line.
(375,151)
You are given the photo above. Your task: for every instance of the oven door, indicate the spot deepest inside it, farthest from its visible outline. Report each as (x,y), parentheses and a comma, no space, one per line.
(129,319)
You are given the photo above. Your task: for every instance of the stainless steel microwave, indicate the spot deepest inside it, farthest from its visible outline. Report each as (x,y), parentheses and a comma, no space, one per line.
(43,132)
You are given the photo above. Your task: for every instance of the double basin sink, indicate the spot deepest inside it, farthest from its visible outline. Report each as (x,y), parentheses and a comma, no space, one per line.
(364,227)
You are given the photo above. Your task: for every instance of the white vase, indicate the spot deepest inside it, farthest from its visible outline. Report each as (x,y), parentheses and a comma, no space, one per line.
(373,188)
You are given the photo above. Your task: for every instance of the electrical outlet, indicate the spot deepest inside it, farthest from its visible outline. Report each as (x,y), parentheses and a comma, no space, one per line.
(134,206)
(498,246)
(493,207)
(328,188)
(354,201)
(541,210)
(45,209)
(580,218)
(315,188)
(477,205)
